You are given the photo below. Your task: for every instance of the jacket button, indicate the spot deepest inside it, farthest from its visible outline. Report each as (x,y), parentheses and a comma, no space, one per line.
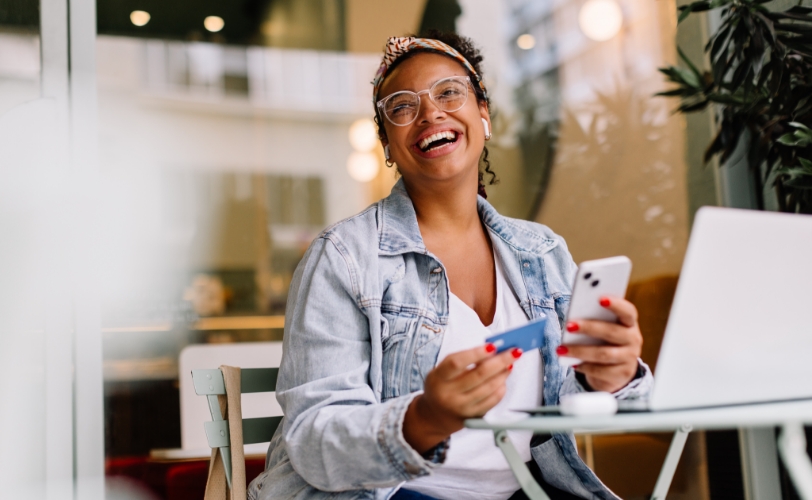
(526,264)
(437,270)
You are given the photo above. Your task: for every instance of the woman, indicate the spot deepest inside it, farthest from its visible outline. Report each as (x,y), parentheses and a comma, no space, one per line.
(388,311)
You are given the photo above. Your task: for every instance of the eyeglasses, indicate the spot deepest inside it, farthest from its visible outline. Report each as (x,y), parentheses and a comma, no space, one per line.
(448,94)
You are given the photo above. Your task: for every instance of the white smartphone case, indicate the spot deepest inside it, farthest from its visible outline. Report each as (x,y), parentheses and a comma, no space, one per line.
(595,279)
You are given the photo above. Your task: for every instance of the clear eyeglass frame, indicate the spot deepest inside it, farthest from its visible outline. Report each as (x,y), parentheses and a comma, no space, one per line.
(462,79)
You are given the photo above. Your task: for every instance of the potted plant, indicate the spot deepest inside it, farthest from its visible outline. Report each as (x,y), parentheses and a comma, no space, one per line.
(760,80)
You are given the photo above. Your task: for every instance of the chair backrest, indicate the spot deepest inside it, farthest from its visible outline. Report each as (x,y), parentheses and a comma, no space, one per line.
(210,383)
(195,410)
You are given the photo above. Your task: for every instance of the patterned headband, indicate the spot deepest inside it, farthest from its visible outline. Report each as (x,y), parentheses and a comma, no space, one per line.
(397,46)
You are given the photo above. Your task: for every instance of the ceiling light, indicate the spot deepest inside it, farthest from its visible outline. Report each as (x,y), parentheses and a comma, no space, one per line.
(139,17)
(600,20)
(363,135)
(526,41)
(214,23)
(363,167)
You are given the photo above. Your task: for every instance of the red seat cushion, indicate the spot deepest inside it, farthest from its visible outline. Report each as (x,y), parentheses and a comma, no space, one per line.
(172,480)
(187,481)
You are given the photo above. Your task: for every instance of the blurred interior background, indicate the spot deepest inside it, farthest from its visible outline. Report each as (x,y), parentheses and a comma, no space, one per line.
(226,135)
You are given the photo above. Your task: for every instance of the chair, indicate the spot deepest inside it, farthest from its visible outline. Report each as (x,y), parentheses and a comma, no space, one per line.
(210,383)
(194,410)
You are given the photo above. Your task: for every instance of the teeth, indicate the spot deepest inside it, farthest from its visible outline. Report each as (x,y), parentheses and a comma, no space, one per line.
(436,137)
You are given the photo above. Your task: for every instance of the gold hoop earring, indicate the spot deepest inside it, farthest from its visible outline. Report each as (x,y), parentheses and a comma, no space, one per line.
(389,164)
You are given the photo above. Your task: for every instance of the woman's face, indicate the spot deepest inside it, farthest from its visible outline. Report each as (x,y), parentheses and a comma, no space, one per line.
(452,159)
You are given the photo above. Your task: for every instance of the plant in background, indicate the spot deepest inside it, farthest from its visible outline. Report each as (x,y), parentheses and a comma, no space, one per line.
(761,81)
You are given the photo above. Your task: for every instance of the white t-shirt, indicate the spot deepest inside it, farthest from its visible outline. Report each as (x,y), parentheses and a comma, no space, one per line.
(474,467)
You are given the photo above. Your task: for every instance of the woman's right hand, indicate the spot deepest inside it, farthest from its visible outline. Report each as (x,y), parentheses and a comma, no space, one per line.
(464,385)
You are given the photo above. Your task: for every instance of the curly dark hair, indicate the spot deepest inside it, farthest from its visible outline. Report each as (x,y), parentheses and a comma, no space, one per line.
(465,46)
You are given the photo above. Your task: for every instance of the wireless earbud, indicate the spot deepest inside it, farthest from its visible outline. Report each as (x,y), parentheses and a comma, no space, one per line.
(487,129)
(386,151)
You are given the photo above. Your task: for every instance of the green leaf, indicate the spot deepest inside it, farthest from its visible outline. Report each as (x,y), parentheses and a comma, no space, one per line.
(803,109)
(689,108)
(768,24)
(720,40)
(742,72)
(700,8)
(674,74)
(725,99)
(670,93)
(804,170)
(684,12)
(788,140)
(798,9)
(690,65)
(791,172)
(667,71)
(788,15)
(802,49)
(801,104)
(714,147)
(793,28)
(800,138)
(801,126)
(689,77)
(803,134)
(804,182)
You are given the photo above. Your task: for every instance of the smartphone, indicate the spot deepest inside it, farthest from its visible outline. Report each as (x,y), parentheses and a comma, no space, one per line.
(595,279)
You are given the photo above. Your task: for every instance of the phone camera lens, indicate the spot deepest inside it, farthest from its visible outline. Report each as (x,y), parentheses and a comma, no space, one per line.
(587,276)
(595,283)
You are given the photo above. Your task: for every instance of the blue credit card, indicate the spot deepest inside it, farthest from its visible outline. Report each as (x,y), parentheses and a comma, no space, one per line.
(526,337)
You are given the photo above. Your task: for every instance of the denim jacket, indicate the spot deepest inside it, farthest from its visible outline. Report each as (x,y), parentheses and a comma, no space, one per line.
(366,313)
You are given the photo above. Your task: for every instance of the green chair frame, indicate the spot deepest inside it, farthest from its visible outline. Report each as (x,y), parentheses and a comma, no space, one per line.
(210,383)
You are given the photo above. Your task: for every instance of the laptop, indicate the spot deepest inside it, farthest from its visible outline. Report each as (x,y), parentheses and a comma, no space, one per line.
(740,327)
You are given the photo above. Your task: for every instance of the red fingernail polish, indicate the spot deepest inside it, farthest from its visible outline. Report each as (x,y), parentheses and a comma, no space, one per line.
(605,302)
(490,347)
(510,368)
(576,367)
(517,353)
(572,326)
(561,350)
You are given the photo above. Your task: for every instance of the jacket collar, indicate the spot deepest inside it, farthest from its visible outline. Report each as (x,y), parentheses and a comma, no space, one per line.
(397,223)
(399,232)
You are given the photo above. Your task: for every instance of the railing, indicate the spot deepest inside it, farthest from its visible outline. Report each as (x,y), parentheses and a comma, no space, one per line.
(272,78)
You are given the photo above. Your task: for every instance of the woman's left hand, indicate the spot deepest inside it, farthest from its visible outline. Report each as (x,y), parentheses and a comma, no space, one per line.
(612,366)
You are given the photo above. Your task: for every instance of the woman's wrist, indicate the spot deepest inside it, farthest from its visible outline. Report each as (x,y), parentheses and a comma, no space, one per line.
(424,429)
(601,384)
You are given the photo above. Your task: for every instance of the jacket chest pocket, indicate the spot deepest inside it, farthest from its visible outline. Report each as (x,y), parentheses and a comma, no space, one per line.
(397,337)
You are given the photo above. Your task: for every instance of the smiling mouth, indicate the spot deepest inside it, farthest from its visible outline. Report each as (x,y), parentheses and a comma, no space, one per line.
(437,140)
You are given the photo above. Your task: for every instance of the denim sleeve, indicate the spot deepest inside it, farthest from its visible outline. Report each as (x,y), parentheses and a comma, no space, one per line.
(639,388)
(337,435)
